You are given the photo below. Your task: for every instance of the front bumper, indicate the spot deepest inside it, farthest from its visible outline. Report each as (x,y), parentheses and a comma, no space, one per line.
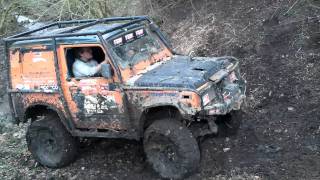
(233,97)
(225,107)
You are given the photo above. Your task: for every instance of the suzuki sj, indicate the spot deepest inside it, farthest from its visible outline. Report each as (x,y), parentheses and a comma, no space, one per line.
(145,91)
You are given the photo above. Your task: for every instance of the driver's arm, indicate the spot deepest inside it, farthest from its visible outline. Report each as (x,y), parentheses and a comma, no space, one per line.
(81,69)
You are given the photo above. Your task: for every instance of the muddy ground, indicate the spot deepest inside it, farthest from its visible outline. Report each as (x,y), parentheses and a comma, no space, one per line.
(278,45)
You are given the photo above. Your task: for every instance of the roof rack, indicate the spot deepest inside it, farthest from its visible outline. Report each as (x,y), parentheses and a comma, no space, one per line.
(70,32)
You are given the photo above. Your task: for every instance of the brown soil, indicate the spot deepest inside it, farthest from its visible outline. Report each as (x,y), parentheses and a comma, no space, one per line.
(278,45)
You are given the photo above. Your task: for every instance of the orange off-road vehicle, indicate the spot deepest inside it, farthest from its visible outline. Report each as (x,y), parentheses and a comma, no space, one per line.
(145,91)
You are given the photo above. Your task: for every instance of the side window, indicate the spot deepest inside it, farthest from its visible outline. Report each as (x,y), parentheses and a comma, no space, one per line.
(84,62)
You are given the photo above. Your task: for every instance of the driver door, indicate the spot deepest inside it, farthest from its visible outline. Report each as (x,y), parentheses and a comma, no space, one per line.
(94,102)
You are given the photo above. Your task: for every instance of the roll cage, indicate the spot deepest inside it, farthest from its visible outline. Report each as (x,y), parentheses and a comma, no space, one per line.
(130,20)
(85,24)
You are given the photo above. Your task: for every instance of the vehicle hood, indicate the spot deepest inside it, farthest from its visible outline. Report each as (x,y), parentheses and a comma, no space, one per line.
(179,72)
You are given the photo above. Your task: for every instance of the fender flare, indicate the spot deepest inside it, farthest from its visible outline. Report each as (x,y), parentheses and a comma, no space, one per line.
(142,119)
(67,122)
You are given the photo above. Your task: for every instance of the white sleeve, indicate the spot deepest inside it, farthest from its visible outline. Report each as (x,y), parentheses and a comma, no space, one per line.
(81,69)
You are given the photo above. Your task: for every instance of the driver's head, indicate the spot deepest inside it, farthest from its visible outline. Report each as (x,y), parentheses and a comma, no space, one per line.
(84,53)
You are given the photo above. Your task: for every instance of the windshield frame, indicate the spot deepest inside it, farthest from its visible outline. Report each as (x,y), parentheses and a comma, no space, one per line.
(148,32)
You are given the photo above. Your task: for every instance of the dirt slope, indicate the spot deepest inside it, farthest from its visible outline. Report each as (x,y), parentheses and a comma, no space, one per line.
(278,45)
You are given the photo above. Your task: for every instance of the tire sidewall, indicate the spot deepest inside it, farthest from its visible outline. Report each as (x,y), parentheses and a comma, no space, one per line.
(65,147)
(186,147)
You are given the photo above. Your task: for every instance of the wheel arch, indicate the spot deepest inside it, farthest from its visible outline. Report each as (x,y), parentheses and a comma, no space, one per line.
(38,109)
(156,112)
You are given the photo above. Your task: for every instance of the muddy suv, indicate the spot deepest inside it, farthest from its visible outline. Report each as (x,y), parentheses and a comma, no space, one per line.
(144,91)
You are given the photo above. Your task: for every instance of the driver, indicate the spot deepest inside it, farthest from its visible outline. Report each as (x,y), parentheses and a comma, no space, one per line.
(84,64)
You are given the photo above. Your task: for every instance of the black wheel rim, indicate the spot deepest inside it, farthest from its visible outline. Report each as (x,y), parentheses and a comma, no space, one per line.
(164,154)
(48,149)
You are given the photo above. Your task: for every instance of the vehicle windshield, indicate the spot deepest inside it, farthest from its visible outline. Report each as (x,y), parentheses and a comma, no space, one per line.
(134,46)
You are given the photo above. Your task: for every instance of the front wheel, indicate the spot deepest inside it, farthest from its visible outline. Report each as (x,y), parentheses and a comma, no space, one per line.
(171,149)
(50,143)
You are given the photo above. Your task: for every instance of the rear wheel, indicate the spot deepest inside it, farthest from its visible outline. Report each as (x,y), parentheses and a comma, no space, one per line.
(50,143)
(171,149)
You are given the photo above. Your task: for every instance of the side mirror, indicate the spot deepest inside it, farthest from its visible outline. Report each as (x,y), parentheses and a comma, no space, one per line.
(106,71)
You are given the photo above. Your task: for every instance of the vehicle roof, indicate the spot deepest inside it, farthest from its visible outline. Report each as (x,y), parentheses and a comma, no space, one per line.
(73,39)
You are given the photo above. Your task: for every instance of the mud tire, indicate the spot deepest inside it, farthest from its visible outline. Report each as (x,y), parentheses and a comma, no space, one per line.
(171,149)
(50,143)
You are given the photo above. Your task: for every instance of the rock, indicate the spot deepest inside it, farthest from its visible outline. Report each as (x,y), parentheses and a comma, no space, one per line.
(290,108)
(278,130)
(17,135)
(269,148)
(226,149)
